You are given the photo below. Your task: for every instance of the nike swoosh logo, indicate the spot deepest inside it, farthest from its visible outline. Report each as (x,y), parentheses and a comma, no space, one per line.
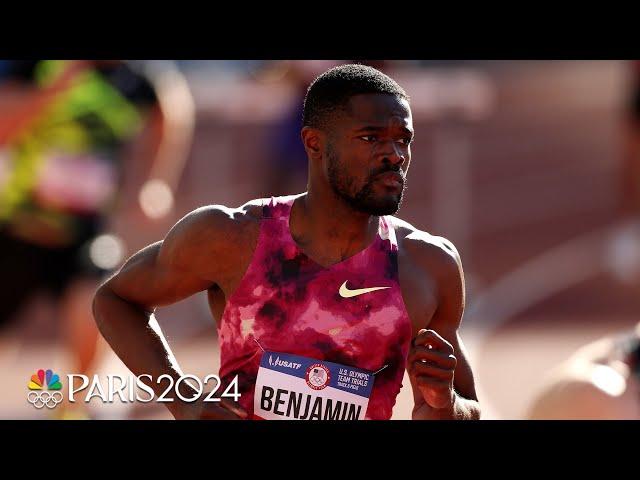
(346,293)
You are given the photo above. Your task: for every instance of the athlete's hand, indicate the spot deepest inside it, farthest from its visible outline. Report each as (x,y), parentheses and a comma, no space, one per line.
(431,366)
(200,410)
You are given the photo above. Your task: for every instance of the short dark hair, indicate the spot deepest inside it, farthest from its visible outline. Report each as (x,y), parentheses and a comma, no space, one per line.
(332,90)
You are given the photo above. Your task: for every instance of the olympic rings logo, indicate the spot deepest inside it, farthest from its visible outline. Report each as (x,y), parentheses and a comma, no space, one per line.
(42,399)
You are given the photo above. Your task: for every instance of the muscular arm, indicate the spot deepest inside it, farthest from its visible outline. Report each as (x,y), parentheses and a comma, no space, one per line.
(160,274)
(441,375)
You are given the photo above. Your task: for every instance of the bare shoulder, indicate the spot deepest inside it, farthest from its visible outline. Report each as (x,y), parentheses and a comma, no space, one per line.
(432,253)
(431,278)
(219,222)
(214,231)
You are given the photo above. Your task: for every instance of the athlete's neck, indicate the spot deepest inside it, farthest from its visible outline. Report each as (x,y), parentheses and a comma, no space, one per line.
(329,225)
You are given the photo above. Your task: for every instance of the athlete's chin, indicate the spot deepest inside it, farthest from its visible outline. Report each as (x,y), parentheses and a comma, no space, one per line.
(383,205)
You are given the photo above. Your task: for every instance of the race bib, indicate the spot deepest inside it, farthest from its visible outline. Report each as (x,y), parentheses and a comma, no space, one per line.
(291,387)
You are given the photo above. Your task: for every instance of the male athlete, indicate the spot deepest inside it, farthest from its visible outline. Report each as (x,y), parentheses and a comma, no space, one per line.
(328,275)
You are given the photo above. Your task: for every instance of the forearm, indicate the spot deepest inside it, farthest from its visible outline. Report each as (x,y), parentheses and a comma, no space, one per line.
(460,409)
(175,116)
(177,127)
(32,101)
(126,328)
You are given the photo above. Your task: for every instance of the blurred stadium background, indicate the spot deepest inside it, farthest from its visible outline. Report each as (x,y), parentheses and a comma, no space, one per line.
(519,163)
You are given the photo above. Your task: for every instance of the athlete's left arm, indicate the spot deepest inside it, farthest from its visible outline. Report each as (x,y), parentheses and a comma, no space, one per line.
(440,373)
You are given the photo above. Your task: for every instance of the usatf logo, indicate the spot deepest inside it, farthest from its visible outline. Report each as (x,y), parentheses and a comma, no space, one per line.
(283,363)
(317,376)
(39,398)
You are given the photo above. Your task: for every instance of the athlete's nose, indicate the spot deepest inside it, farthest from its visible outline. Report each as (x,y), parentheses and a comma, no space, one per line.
(393,154)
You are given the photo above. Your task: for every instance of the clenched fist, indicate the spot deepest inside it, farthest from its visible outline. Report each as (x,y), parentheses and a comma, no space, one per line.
(431,366)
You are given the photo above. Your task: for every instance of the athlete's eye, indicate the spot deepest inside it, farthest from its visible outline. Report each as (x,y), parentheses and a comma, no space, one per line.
(369,138)
(406,141)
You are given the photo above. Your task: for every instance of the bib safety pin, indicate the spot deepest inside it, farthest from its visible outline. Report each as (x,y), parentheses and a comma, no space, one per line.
(256,340)
(375,373)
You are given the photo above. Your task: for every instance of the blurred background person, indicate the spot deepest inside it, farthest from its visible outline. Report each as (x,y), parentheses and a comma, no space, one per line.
(285,152)
(90,154)
(601,381)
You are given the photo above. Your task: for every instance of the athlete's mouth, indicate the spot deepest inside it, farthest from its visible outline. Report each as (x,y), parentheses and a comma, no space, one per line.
(390,179)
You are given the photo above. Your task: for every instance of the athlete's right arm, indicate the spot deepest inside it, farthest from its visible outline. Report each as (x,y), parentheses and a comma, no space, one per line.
(196,253)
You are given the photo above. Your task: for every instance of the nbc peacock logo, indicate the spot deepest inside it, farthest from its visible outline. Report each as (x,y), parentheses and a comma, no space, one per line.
(40,397)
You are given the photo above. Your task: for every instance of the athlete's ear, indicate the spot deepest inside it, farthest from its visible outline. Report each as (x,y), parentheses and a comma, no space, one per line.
(312,139)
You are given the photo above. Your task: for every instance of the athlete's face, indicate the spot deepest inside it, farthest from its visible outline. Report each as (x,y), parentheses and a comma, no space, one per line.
(368,153)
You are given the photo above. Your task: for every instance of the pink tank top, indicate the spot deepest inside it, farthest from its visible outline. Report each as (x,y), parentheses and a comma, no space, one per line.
(286,302)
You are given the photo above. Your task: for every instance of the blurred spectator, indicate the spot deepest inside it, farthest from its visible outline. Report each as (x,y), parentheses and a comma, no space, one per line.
(287,172)
(600,381)
(80,143)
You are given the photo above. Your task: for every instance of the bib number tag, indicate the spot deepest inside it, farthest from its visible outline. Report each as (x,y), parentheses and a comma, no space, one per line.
(291,387)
